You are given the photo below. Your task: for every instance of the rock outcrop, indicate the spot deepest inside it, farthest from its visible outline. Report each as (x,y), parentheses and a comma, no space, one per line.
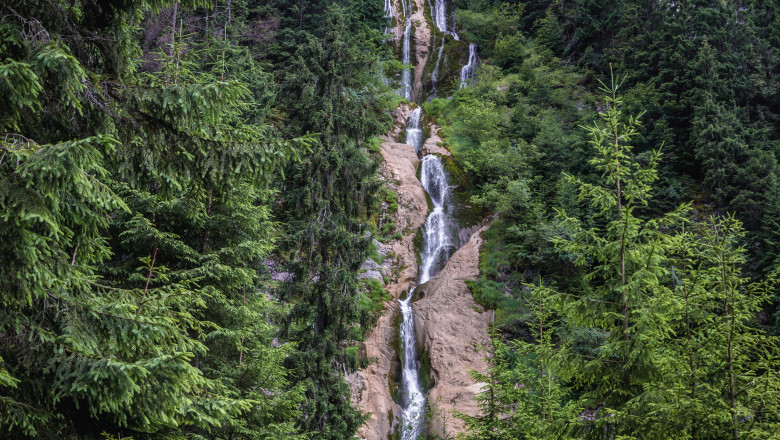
(431,145)
(449,326)
(371,386)
(422,46)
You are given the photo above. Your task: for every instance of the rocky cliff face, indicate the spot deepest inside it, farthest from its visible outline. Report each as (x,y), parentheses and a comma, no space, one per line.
(421,34)
(422,46)
(449,327)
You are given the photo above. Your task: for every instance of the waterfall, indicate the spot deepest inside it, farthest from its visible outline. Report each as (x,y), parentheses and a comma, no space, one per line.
(435,74)
(439,13)
(437,247)
(467,72)
(438,229)
(441,19)
(413,130)
(389,11)
(406,74)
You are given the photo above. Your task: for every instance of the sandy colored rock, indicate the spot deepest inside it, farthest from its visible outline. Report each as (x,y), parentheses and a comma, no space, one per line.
(431,145)
(370,386)
(449,326)
(422,46)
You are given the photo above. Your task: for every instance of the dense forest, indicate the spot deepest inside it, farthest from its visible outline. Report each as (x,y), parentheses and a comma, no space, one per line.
(190,189)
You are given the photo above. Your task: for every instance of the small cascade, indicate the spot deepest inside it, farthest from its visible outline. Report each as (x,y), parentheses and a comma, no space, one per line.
(435,74)
(407,8)
(389,14)
(441,19)
(413,131)
(467,72)
(406,74)
(414,408)
(389,10)
(438,230)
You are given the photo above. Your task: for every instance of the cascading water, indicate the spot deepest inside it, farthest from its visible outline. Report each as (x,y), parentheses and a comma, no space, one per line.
(435,74)
(413,130)
(389,10)
(439,13)
(440,17)
(406,74)
(467,72)
(439,229)
(437,247)
(414,409)
(389,13)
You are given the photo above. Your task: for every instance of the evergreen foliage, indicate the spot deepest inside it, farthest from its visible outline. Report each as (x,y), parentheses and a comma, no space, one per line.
(136,198)
(672,347)
(180,254)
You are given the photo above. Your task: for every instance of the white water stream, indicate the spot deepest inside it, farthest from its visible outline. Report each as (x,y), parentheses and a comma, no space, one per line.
(437,248)
(406,74)
(414,131)
(438,231)
(467,72)
(414,400)
(389,10)
(441,18)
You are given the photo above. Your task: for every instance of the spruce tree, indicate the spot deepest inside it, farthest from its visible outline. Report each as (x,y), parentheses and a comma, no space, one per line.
(719,368)
(335,90)
(136,217)
(624,298)
(523,396)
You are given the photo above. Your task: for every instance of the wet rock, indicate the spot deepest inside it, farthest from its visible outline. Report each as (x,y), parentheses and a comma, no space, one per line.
(431,145)
(449,326)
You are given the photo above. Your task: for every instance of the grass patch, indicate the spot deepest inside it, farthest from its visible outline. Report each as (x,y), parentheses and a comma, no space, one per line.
(374,144)
(456,174)
(373,254)
(418,242)
(435,109)
(391,197)
(494,259)
(354,360)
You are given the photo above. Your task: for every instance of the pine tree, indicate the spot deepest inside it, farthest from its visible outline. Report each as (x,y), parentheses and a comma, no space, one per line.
(497,398)
(523,397)
(719,371)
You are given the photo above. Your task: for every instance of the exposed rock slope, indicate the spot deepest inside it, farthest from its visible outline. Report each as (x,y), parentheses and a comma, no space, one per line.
(449,326)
